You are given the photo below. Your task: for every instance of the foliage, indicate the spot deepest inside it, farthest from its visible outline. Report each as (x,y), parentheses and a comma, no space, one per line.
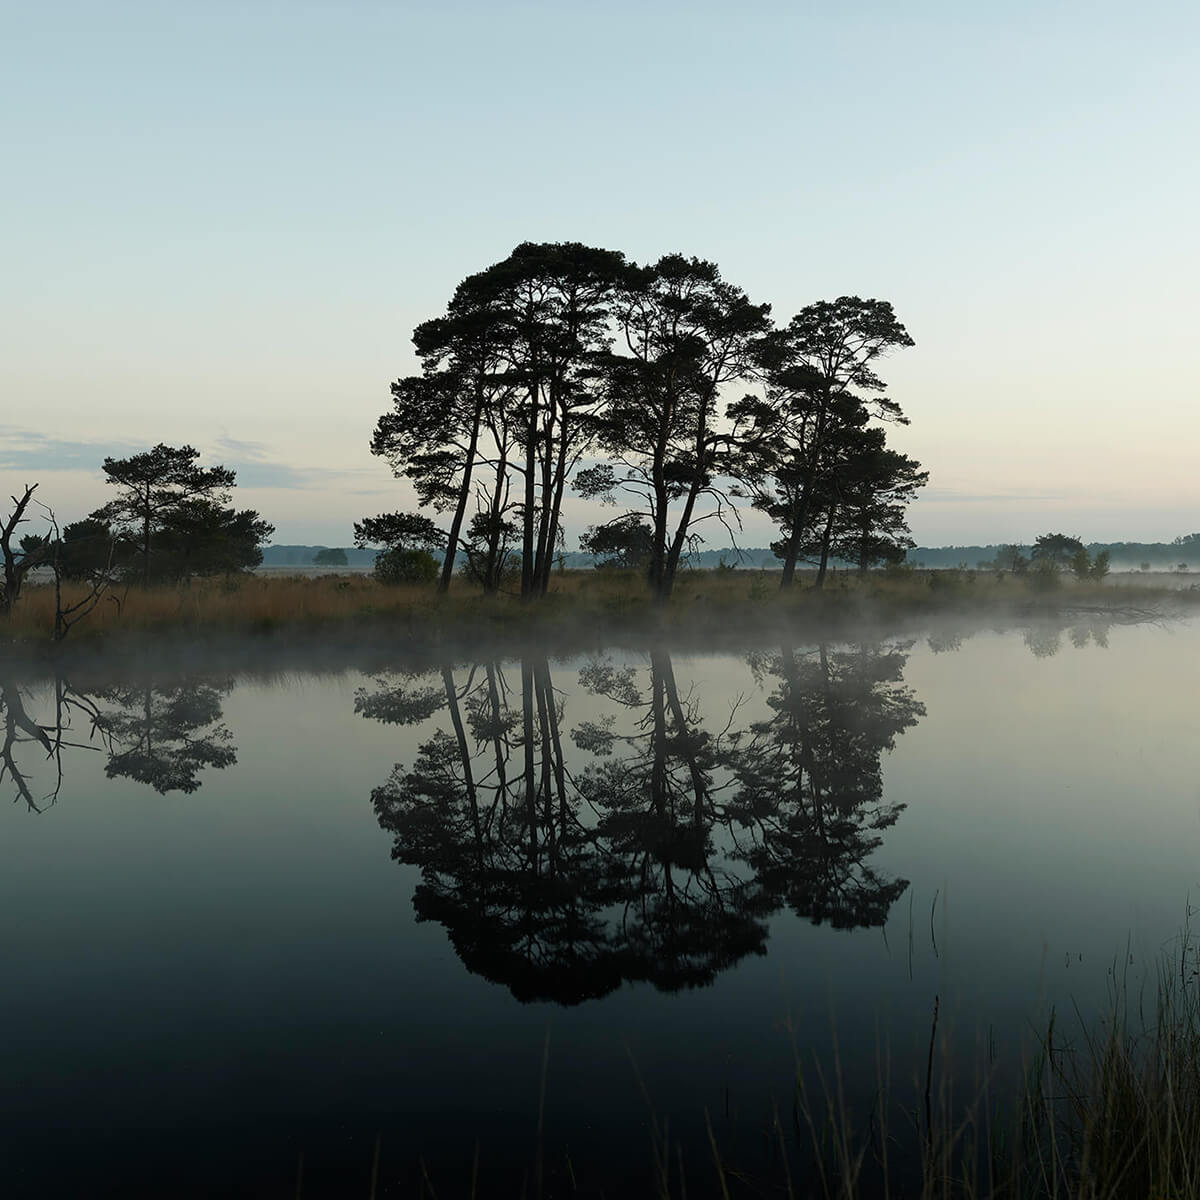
(797,445)
(561,350)
(88,548)
(626,543)
(1058,549)
(398,529)
(172,513)
(330,557)
(202,538)
(401,565)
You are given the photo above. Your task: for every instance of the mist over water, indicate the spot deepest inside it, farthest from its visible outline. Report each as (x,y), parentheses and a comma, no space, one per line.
(276,913)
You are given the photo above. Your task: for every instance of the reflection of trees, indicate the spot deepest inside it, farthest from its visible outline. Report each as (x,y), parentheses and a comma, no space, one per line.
(487,814)
(47,739)
(810,786)
(164,736)
(662,859)
(685,915)
(159,735)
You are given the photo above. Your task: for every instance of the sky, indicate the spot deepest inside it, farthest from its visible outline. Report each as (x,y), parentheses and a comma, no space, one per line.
(224,219)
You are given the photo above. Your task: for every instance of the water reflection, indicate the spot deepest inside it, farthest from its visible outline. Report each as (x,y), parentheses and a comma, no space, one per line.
(161,735)
(650,846)
(1045,638)
(165,736)
(810,784)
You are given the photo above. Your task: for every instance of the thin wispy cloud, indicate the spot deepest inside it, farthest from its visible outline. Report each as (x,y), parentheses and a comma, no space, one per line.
(943,495)
(29,450)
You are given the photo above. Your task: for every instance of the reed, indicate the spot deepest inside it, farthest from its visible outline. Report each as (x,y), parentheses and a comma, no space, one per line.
(578,600)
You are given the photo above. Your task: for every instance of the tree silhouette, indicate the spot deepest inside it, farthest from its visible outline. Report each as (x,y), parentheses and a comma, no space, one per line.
(686,334)
(164,496)
(821,389)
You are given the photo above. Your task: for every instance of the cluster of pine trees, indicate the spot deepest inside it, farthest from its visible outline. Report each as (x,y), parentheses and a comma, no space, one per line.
(567,365)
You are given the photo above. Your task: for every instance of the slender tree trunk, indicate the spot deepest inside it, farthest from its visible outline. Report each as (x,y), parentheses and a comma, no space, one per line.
(560,484)
(681,529)
(687,738)
(689,505)
(464,495)
(499,750)
(658,549)
(528,548)
(527,703)
(804,505)
(464,753)
(658,772)
(491,566)
(546,788)
(825,544)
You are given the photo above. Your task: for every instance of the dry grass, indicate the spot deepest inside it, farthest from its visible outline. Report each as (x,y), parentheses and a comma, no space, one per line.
(1110,1112)
(720,603)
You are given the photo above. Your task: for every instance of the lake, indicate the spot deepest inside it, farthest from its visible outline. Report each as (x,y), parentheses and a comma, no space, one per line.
(269,928)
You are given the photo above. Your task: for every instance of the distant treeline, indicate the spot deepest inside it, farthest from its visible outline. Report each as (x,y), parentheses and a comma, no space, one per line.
(1158,555)
(1122,555)
(305,556)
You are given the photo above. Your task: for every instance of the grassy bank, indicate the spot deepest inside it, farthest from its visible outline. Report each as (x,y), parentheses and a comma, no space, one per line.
(1105,1111)
(579,605)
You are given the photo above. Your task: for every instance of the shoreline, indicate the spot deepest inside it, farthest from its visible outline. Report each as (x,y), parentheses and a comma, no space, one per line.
(348,618)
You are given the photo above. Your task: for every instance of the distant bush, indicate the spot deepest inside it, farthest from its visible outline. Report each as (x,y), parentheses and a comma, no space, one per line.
(399,565)
(948,579)
(1044,575)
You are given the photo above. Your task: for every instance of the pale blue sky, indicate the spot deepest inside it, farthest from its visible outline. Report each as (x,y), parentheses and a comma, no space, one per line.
(225,218)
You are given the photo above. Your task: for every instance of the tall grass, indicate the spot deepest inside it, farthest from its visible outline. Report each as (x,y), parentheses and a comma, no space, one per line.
(703,601)
(1110,1113)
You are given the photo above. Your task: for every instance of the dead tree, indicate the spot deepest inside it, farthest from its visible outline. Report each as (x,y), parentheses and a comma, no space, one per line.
(21,559)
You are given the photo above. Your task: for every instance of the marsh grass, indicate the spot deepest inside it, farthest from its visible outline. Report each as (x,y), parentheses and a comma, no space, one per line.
(578,602)
(1111,1112)
(1098,1110)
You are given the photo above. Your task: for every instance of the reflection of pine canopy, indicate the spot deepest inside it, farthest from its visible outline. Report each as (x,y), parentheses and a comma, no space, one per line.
(661,858)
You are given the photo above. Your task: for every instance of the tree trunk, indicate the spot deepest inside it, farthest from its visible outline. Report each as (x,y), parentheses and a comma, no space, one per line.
(464,495)
(464,754)
(539,563)
(527,732)
(146,540)
(527,542)
(825,545)
(560,484)
(676,551)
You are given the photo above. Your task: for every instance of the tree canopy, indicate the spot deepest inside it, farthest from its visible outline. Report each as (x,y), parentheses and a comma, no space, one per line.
(170,516)
(568,365)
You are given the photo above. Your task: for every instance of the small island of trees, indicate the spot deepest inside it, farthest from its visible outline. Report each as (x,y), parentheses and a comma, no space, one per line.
(565,367)
(660,390)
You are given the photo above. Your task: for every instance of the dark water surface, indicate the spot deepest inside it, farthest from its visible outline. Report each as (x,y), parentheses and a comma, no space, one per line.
(265,918)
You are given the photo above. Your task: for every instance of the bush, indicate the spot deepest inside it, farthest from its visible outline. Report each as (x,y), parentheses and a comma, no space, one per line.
(1044,576)
(399,565)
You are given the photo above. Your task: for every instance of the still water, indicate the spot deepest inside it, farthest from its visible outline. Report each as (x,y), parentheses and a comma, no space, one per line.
(276,926)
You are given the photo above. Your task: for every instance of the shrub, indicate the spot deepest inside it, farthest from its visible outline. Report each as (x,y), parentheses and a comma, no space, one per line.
(399,565)
(1044,576)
